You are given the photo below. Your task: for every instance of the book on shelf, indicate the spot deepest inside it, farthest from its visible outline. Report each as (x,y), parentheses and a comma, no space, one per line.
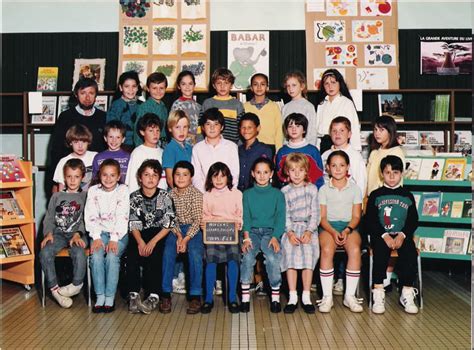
(454,169)
(412,168)
(430,244)
(11,169)
(456,209)
(467,208)
(430,204)
(469,247)
(431,169)
(455,241)
(13,242)
(417,200)
(392,105)
(445,209)
(463,141)
(2,252)
(101,102)
(9,207)
(441,108)
(47,79)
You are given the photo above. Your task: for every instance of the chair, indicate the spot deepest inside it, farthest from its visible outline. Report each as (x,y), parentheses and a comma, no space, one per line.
(64,253)
(363,251)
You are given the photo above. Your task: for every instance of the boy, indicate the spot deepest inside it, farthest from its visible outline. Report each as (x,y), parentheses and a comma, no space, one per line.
(151,219)
(185,237)
(251,149)
(214,148)
(78,137)
(156,84)
(391,221)
(231,108)
(64,227)
(149,127)
(114,136)
(267,110)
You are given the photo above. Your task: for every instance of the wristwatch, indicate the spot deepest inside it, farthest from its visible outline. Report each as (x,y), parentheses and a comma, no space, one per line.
(350,228)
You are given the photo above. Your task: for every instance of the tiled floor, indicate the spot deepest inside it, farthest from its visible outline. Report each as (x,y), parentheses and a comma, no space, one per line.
(444,323)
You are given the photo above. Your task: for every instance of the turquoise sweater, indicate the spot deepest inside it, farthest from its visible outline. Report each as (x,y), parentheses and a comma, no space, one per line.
(264,207)
(151,106)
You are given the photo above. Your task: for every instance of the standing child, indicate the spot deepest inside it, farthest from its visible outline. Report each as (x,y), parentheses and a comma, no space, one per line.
(295,85)
(64,227)
(151,219)
(268,111)
(114,136)
(185,83)
(156,84)
(125,104)
(296,127)
(221,202)
(264,224)
(231,108)
(334,100)
(300,245)
(78,137)
(341,207)
(392,219)
(106,218)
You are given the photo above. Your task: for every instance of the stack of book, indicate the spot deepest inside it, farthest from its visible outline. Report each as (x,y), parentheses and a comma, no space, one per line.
(452,242)
(444,169)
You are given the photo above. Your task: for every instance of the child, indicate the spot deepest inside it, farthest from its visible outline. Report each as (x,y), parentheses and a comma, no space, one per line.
(295,85)
(334,100)
(149,127)
(185,83)
(63,226)
(300,245)
(264,224)
(151,219)
(156,84)
(268,112)
(251,149)
(392,219)
(78,137)
(221,202)
(186,236)
(125,104)
(114,136)
(178,148)
(106,218)
(214,148)
(231,108)
(296,126)
(384,143)
(341,207)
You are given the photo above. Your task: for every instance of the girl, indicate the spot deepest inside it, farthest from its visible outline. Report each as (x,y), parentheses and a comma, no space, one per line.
(384,143)
(300,245)
(295,85)
(185,83)
(264,224)
(335,100)
(106,218)
(221,202)
(125,103)
(341,206)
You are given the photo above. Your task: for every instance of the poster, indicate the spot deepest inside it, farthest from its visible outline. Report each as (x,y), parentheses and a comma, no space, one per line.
(376,7)
(341,55)
(247,54)
(194,39)
(165,40)
(329,31)
(446,55)
(380,55)
(48,112)
(89,68)
(340,8)
(372,78)
(169,68)
(367,31)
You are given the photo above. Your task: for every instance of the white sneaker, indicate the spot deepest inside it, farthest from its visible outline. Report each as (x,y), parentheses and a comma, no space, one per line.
(70,290)
(378,307)
(407,299)
(314,288)
(325,304)
(63,301)
(218,289)
(353,303)
(179,287)
(338,288)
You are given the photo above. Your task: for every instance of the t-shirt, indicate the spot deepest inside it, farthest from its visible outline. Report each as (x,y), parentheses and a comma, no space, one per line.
(339,202)
(138,156)
(87,158)
(121,156)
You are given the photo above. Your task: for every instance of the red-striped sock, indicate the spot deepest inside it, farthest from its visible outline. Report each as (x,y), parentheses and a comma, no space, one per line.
(276,294)
(352,280)
(327,280)
(245,293)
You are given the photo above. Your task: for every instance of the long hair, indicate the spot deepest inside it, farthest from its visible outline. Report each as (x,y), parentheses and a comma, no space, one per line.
(388,123)
(343,89)
(214,170)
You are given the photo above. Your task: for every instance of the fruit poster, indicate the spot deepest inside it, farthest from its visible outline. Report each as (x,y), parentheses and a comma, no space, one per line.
(165,36)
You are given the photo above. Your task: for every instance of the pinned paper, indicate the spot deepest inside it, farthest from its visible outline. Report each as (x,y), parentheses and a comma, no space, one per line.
(35,102)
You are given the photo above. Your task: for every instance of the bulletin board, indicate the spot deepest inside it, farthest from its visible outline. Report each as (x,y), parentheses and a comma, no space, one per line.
(357,37)
(165,36)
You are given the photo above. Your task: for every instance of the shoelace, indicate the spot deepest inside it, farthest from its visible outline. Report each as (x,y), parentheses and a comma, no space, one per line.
(322,301)
(358,300)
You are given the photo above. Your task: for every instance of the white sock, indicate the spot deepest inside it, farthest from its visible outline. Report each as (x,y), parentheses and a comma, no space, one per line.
(276,294)
(352,280)
(327,280)
(245,293)
(154,295)
(293,297)
(388,280)
(100,300)
(306,299)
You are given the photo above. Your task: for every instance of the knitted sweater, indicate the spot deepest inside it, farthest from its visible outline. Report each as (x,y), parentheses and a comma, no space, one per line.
(126,112)
(65,213)
(232,109)
(271,131)
(150,106)
(192,110)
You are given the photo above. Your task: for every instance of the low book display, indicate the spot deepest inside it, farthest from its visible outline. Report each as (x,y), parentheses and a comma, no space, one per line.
(13,242)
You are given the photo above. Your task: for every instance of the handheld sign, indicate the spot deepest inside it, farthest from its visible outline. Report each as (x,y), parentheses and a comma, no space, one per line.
(220,232)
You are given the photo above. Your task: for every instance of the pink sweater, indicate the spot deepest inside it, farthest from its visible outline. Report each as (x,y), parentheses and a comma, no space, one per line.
(222,204)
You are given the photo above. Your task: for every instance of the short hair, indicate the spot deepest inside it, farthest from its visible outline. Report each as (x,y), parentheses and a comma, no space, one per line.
(259,75)
(395,162)
(153,164)
(339,153)
(175,116)
(74,163)
(157,78)
(85,83)
(78,132)
(109,162)
(298,119)
(341,120)
(149,120)
(298,75)
(115,124)
(264,160)
(183,74)
(184,164)
(213,114)
(222,73)
(389,124)
(297,159)
(250,116)
(214,170)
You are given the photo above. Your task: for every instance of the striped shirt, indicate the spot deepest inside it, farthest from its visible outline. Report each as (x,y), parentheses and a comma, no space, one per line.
(188,207)
(232,109)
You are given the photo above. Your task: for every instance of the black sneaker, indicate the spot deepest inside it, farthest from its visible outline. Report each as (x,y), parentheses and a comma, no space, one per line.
(275,307)
(290,308)
(245,307)
(207,308)
(308,308)
(234,307)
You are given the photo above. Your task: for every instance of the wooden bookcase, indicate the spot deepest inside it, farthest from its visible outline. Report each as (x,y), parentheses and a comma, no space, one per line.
(20,268)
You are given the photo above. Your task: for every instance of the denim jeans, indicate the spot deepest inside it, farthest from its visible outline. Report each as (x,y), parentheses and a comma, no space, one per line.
(195,251)
(260,238)
(77,254)
(106,266)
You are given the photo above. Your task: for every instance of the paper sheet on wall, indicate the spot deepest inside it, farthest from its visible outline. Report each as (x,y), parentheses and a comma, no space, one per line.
(35,102)
(380,55)
(357,98)
(372,78)
(318,74)
(329,31)
(341,8)
(367,31)
(315,6)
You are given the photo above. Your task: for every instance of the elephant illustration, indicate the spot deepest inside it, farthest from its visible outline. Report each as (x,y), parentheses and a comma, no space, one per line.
(243,65)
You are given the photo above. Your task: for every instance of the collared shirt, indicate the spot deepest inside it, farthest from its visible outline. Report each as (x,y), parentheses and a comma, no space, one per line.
(84,112)
(246,158)
(174,152)
(339,202)
(188,207)
(259,105)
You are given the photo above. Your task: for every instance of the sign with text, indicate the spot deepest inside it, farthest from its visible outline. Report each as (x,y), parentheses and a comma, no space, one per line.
(220,232)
